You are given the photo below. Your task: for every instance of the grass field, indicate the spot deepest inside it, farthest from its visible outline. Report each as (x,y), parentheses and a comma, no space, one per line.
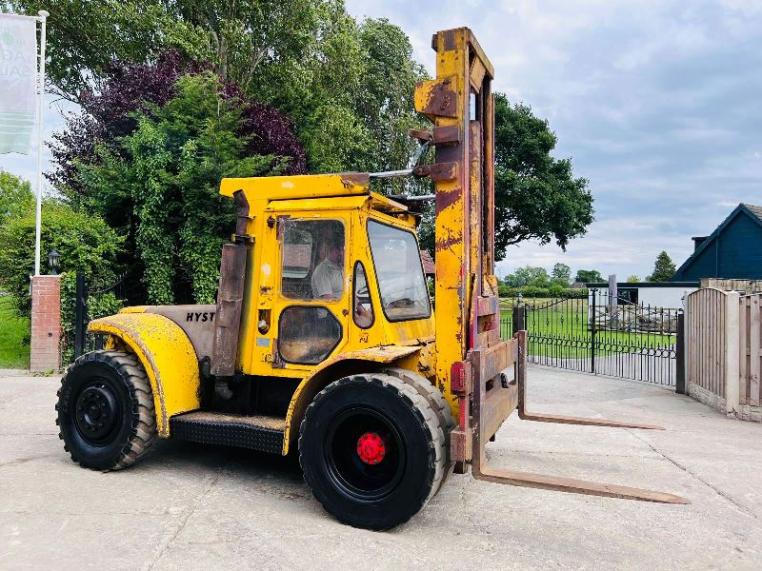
(564,329)
(14,334)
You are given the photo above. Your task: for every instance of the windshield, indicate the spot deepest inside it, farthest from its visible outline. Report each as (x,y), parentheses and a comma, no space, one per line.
(400,275)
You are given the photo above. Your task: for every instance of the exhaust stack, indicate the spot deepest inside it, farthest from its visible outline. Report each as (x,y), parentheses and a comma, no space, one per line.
(231,292)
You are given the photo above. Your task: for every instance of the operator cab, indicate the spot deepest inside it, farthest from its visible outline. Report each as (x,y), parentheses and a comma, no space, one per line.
(331,270)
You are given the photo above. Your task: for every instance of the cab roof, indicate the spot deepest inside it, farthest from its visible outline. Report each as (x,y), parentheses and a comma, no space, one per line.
(309,186)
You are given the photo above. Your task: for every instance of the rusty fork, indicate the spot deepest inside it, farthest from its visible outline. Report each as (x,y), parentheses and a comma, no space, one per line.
(524,414)
(483,431)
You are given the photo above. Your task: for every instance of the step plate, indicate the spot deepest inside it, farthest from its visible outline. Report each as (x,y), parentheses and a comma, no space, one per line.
(263,433)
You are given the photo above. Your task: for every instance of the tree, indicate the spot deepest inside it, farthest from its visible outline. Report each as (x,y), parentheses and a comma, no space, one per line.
(588,276)
(561,274)
(528,276)
(664,268)
(633,279)
(347,86)
(537,196)
(16,197)
(159,183)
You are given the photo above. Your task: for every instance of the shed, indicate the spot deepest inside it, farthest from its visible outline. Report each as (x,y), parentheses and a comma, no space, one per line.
(732,251)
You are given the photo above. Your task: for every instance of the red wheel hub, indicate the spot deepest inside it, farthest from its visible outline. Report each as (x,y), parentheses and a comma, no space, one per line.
(371,448)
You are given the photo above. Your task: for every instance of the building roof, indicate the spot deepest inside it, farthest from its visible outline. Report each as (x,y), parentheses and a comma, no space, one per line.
(754,213)
(756,210)
(428,263)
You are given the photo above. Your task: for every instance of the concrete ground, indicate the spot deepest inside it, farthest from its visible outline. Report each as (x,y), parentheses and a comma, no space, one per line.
(191,507)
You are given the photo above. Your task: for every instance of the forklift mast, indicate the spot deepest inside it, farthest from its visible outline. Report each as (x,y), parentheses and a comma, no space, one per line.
(473,364)
(460,104)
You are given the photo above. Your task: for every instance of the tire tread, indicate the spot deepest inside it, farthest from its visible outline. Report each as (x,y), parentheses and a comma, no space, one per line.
(415,399)
(143,430)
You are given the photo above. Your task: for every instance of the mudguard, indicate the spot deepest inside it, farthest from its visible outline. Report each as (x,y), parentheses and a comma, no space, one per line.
(167,356)
(339,366)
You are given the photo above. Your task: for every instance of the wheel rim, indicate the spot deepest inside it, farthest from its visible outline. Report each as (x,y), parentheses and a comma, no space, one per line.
(97,412)
(364,453)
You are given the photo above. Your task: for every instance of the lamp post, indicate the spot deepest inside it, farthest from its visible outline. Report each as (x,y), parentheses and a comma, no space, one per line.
(54,259)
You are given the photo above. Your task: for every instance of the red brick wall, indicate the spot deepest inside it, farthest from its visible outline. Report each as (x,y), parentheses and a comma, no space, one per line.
(45,351)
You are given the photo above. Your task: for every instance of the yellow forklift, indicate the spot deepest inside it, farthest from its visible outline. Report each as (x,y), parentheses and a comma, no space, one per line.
(324,341)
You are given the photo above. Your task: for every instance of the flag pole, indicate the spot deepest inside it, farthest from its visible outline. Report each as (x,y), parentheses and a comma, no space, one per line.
(43,15)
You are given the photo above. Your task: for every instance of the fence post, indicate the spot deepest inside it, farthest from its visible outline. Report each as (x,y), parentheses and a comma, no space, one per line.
(519,317)
(80,315)
(680,355)
(593,329)
(732,352)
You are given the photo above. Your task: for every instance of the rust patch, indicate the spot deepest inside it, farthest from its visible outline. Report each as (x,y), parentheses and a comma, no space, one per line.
(446,135)
(438,172)
(449,40)
(446,198)
(228,313)
(423,135)
(442,99)
(448,242)
(350,179)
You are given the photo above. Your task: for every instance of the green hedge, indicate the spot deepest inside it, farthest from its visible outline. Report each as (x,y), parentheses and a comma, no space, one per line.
(552,291)
(85,243)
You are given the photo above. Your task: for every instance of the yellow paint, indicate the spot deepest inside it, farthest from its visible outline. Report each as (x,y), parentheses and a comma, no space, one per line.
(300,186)
(452,277)
(320,377)
(167,356)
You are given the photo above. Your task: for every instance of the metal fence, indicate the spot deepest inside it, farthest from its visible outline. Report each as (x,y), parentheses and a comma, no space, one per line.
(601,335)
(81,341)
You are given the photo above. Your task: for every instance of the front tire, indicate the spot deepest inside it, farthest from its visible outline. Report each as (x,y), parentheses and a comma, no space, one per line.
(372,449)
(105,411)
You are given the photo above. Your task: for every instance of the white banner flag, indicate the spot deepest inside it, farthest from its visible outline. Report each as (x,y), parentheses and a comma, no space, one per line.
(18,82)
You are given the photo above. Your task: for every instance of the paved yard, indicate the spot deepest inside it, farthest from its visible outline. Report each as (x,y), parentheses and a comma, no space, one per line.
(196,508)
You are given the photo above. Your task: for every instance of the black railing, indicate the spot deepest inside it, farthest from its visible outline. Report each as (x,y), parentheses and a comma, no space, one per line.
(600,335)
(82,341)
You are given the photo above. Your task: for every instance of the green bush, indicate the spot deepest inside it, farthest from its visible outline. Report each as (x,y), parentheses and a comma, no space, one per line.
(554,290)
(85,243)
(16,197)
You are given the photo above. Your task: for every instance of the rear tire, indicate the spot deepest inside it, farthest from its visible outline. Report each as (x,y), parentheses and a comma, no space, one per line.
(105,411)
(373,450)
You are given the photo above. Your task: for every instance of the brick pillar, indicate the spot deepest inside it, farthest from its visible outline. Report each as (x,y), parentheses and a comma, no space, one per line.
(45,351)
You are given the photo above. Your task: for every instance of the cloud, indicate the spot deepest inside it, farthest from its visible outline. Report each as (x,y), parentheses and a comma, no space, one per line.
(657,102)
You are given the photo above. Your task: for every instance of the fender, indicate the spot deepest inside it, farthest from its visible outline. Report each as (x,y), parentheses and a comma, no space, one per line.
(167,356)
(364,360)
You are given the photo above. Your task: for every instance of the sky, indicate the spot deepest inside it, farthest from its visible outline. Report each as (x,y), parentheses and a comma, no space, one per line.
(657,103)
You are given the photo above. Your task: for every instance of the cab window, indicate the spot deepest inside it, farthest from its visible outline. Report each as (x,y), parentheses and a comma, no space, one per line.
(361,305)
(312,260)
(307,334)
(399,272)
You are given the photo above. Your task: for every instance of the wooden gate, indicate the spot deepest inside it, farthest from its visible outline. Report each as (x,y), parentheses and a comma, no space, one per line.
(750,392)
(705,339)
(724,351)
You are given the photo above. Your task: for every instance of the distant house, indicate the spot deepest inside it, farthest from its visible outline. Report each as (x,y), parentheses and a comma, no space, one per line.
(428,263)
(654,294)
(732,251)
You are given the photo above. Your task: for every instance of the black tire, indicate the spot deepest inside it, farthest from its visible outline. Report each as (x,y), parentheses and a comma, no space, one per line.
(384,490)
(105,411)
(438,403)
